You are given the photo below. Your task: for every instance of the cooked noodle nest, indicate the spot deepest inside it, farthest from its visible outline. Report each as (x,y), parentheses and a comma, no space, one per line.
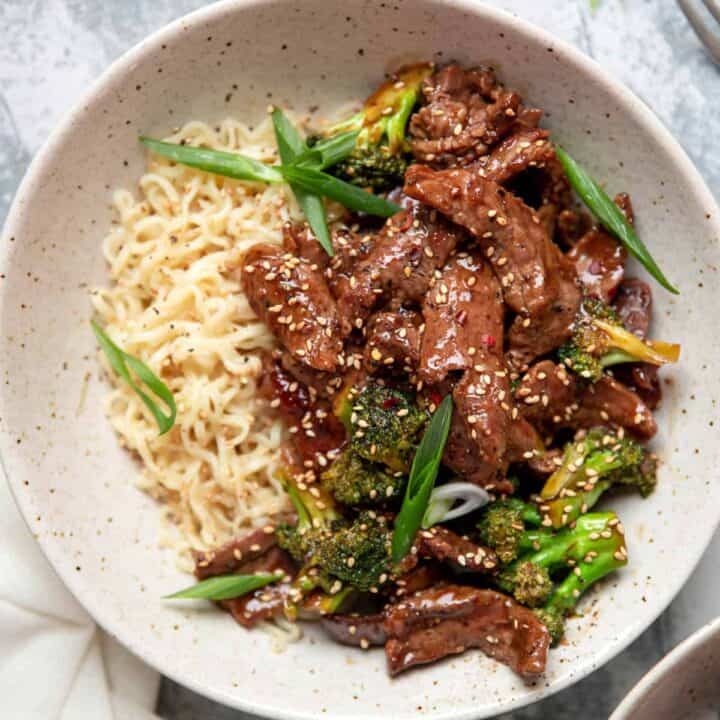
(175,302)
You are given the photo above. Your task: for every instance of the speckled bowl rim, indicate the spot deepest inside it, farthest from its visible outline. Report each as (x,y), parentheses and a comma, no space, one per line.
(533,34)
(675,658)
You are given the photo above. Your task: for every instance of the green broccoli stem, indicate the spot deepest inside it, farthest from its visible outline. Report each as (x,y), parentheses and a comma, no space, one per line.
(353,123)
(565,510)
(397,122)
(315,508)
(616,357)
(580,456)
(528,577)
(574,544)
(591,465)
(566,595)
(531,515)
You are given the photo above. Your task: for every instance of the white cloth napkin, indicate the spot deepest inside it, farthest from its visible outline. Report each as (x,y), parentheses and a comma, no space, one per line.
(55,664)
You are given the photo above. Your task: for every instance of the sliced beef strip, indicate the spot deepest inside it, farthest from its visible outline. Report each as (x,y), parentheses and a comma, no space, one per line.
(623,201)
(235,554)
(300,241)
(570,226)
(526,163)
(599,259)
(350,249)
(291,296)
(262,604)
(399,264)
(551,398)
(634,306)
(608,401)
(392,341)
(357,630)
(420,577)
(463,314)
(537,281)
(599,263)
(444,545)
(643,379)
(526,148)
(448,620)
(478,438)
(253,553)
(524,441)
(546,395)
(465,113)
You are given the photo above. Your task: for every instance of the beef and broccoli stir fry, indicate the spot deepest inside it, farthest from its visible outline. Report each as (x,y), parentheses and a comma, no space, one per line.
(461,383)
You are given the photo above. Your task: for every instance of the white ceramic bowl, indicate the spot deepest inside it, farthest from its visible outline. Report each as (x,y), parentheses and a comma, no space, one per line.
(683,685)
(74,484)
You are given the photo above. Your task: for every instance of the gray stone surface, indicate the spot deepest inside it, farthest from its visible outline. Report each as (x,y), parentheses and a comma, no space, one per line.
(50,50)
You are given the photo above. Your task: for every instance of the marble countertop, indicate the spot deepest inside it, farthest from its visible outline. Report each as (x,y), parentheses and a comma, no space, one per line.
(50,50)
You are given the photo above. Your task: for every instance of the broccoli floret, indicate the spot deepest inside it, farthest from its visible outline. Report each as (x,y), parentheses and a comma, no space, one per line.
(599,341)
(317,520)
(552,578)
(353,481)
(332,550)
(505,526)
(358,554)
(592,463)
(381,156)
(529,582)
(383,425)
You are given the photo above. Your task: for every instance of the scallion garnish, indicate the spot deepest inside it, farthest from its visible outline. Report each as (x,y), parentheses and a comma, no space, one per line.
(350,196)
(302,168)
(330,151)
(122,363)
(610,216)
(290,147)
(218,162)
(423,473)
(453,500)
(225,587)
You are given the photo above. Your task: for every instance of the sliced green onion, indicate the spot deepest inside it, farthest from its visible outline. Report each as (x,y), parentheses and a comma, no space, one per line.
(610,216)
(219,162)
(423,473)
(330,151)
(120,361)
(352,197)
(290,146)
(443,505)
(225,587)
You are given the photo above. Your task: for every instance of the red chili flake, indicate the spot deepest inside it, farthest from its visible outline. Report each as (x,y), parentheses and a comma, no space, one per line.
(406,223)
(435,397)
(489,340)
(390,402)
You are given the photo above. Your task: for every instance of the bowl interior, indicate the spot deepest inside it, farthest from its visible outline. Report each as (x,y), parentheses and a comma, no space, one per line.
(683,685)
(74,483)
